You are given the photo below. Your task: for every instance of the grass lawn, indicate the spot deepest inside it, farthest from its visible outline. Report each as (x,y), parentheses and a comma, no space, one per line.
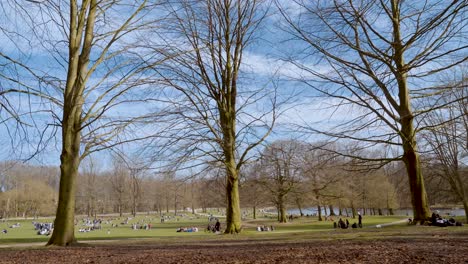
(298,229)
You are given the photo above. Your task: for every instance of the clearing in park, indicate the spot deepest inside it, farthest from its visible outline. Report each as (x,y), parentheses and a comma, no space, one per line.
(148,239)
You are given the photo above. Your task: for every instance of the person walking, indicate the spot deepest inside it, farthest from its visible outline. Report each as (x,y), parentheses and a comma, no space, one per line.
(359,219)
(217,226)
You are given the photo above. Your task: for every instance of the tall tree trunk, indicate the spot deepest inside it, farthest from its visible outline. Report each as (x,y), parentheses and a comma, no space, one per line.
(460,189)
(64,226)
(465,205)
(339,207)
(353,210)
(419,201)
(233,219)
(319,210)
(299,206)
(281,209)
(228,124)
(254,212)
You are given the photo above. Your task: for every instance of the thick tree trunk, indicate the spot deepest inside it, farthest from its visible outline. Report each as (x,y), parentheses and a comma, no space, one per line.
(281,209)
(421,210)
(465,205)
(233,214)
(228,125)
(254,212)
(460,189)
(64,226)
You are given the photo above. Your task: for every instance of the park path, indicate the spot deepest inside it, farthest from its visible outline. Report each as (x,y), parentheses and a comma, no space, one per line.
(392,223)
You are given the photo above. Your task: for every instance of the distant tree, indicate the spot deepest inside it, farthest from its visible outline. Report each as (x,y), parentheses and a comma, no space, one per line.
(447,139)
(119,181)
(253,192)
(281,172)
(321,172)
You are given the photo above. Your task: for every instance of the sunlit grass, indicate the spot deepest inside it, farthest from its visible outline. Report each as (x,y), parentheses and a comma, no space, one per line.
(304,228)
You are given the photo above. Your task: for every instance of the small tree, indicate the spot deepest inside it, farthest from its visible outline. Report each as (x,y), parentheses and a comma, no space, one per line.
(281,172)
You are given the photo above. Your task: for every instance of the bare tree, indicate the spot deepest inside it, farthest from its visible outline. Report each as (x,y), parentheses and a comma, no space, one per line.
(118,180)
(321,172)
(211,109)
(87,40)
(281,172)
(375,59)
(447,140)
(253,192)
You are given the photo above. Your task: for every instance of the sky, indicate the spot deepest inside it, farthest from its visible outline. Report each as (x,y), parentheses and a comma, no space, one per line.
(266,62)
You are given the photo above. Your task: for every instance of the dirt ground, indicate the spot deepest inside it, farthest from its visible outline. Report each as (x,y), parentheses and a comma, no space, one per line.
(413,250)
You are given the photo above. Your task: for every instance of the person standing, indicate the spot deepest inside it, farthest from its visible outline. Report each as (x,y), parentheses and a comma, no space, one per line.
(359,219)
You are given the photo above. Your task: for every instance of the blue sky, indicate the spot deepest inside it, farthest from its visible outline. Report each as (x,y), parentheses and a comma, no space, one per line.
(264,61)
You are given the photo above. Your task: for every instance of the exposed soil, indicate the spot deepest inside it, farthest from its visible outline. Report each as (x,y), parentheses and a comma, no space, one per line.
(392,250)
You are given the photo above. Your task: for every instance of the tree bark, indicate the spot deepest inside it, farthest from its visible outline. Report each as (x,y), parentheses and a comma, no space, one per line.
(228,125)
(64,226)
(233,219)
(319,210)
(281,209)
(353,210)
(465,205)
(300,208)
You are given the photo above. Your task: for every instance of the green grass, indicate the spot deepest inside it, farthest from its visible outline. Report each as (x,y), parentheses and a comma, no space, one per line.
(298,229)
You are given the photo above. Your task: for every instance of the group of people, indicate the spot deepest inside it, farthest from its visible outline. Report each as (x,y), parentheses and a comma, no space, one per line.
(187,229)
(265,228)
(436,220)
(43,228)
(345,224)
(144,226)
(215,228)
